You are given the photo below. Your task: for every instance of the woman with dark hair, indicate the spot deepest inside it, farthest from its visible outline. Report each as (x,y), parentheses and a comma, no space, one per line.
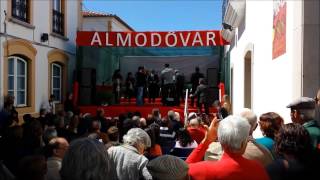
(269,123)
(155,150)
(68,103)
(298,159)
(184,144)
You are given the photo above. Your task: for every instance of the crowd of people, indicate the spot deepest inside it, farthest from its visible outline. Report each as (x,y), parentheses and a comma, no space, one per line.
(169,85)
(69,145)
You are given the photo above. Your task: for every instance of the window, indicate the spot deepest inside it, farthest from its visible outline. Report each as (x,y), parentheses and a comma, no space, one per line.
(20,10)
(56,78)
(17,80)
(58,17)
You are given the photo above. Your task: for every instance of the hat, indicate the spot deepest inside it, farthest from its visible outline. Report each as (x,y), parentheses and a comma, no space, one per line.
(192,115)
(302,103)
(112,129)
(168,167)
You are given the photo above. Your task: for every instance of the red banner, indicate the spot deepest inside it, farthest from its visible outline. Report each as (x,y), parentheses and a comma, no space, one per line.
(279,28)
(150,39)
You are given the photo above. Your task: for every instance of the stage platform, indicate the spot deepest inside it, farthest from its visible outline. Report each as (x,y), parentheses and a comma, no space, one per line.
(125,107)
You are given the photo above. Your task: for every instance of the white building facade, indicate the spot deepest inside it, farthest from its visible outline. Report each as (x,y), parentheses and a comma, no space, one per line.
(37,50)
(272,61)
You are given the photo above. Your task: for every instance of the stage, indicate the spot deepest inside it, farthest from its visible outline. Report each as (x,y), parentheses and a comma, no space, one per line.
(125,107)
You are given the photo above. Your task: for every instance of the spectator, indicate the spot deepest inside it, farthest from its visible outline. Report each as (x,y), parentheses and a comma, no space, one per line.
(168,167)
(255,151)
(184,144)
(68,103)
(298,158)
(8,108)
(87,159)
(42,118)
(156,115)
(233,133)
(174,118)
(49,105)
(226,103)
(32,168)
(197,133)
(154,133)
(102,120)
(269,123)
(55,152)
(113,135)
(167,136)
(49,134)
(128,159)
(142,123)
(303,112)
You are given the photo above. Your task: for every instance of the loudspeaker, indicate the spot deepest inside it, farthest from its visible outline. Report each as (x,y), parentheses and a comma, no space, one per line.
(87,77)
(87,84)
(213,94)
(212,77)
(44,37)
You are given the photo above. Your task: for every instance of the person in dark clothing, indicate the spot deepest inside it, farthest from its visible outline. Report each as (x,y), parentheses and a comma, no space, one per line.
(202,92)
(68,104)
(153,87)
(179,86)
(195,82)
(129,86)
(103,121)
(141,82)
(297,158)
(116,80)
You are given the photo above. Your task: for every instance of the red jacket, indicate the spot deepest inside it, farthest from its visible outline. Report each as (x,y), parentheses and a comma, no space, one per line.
(230,167)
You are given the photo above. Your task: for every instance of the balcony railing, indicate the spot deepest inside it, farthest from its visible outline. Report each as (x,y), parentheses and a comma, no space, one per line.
(20,10)
(58,22)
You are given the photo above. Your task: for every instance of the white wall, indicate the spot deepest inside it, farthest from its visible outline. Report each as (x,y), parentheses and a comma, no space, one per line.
(95,24)
(275,83)
(101,24)
(42,23)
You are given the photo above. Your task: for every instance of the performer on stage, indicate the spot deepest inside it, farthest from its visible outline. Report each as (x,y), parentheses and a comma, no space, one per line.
(153,87)
(167,87)
(141,82)
(195,82)
(129,86)
(202,92)
(116,80)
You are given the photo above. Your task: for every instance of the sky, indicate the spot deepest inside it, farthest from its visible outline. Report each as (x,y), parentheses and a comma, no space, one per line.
(162,15)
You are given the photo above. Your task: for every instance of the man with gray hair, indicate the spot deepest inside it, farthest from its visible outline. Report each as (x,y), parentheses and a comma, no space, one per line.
(129,161)
(303,112)
(253,151)
(233,134)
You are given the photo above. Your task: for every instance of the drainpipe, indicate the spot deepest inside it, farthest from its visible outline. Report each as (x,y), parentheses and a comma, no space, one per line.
(1,80)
